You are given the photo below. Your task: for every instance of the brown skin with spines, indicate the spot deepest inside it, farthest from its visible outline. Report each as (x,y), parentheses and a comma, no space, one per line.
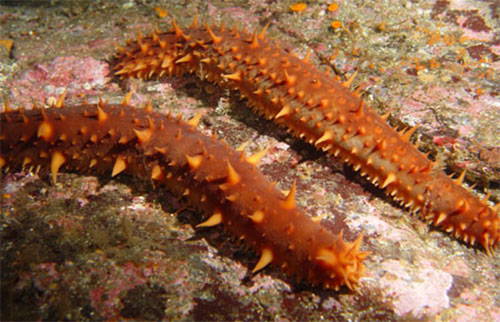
(316,107)
(118,139)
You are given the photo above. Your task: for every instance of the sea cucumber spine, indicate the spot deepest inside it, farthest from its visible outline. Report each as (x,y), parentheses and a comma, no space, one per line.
(221,182)
(314,106)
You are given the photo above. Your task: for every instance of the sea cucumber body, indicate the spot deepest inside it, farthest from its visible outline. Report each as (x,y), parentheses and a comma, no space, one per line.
(212,177)
(314,106)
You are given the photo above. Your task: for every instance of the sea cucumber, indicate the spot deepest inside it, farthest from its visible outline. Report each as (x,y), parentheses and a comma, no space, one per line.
(219,181)
(324,112)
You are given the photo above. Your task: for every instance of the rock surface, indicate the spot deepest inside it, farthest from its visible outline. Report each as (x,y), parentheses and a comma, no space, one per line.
(92,247)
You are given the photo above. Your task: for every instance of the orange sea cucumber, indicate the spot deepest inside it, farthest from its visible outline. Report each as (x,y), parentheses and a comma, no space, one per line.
(322,111)
(217,180)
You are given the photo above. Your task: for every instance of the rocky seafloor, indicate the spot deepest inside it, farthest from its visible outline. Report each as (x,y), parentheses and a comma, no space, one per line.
(92,248)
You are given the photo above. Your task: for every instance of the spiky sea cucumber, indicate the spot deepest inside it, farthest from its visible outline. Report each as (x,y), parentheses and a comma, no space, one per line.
(120,138)
(322,111)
